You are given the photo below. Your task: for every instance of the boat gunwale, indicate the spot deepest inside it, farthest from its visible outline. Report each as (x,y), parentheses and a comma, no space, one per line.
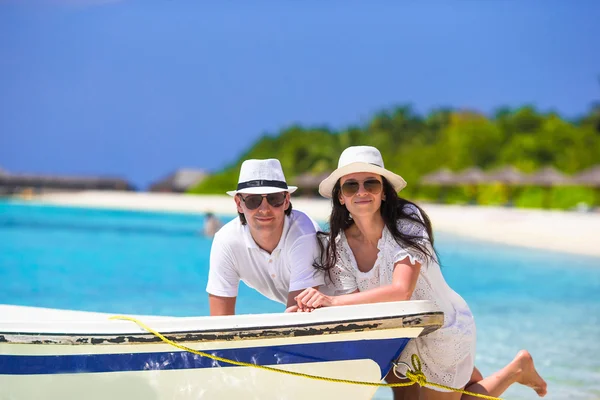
(429,321)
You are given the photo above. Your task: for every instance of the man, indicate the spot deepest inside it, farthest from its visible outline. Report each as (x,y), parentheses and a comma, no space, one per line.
(211,225)
(269,247)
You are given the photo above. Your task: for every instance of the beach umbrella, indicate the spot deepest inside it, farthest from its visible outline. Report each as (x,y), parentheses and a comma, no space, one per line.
(471,177)
(548,177)
(590,177)
(442,177)
(509,177)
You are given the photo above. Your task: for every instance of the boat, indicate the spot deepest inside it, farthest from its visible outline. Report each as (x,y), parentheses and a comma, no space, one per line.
(63,355)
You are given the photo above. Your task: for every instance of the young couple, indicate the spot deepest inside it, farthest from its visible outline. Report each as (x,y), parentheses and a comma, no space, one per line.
(379,249)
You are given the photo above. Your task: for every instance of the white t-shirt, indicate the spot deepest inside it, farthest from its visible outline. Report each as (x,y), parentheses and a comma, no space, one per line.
(235,256)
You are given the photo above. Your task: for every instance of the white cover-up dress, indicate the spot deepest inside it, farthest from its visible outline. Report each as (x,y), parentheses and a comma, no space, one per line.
(447,354)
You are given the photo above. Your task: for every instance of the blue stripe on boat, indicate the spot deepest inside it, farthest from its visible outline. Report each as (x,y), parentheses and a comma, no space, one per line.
(382,351)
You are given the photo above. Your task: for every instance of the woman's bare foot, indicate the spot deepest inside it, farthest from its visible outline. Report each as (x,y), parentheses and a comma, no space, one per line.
(527,374)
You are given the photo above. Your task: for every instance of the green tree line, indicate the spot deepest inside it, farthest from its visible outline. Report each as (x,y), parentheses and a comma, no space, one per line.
(414,145)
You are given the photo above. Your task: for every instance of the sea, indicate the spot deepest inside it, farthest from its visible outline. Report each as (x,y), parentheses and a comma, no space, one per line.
(155,263)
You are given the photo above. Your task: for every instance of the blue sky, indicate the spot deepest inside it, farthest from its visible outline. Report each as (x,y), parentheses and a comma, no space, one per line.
(139,88)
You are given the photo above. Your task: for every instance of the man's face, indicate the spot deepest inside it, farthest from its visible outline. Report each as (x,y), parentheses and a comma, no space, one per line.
(267,215)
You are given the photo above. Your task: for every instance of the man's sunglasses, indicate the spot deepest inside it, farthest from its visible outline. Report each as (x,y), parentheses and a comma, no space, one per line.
(253,201)
(350,188)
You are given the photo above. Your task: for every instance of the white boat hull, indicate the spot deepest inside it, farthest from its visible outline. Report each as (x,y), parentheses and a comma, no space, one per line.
(99,359)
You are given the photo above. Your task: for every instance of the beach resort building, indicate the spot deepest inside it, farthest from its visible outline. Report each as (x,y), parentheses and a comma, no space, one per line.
(179,181)
(15,184)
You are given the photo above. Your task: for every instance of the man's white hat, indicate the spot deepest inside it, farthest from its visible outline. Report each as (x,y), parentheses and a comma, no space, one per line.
(360,159)
(262,177)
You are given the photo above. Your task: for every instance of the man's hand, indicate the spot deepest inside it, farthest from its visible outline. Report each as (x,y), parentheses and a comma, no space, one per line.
(292,304)
(311,298)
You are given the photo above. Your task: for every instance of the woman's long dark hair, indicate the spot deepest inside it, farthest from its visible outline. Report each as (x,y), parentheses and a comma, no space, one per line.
(392,210)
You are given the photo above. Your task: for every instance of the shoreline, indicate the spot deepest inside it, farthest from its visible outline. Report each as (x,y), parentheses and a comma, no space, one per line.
(563,231)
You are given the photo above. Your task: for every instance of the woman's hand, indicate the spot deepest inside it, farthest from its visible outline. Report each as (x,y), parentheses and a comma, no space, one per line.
(311,298)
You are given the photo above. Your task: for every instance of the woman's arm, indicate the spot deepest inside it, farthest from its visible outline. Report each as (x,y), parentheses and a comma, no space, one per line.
(404,280)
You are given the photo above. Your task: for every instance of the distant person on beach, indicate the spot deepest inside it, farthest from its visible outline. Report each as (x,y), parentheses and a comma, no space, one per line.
(268,246)
(211,225)
(380,249)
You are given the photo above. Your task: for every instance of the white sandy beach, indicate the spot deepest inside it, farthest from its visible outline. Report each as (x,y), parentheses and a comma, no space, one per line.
(571,232)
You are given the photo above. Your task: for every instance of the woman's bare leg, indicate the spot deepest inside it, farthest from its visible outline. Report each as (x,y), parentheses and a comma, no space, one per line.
(520,370)
(475,377)
(430,394)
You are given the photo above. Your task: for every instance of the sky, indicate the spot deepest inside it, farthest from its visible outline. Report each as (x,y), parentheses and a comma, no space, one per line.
(140,88)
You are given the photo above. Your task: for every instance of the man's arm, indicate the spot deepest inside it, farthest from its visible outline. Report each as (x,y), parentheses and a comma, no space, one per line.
(222,305)
(223,279)
(302,256)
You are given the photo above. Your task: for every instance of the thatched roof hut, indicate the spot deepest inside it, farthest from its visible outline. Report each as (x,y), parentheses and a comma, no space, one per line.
(508,175)
(589,177)
(179,181)
(548,176)
(442,177)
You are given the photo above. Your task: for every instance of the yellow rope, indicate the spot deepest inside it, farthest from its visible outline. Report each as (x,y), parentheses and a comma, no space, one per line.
(414,376)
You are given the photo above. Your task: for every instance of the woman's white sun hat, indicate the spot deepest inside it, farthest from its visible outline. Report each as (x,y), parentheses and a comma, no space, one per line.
(261,177)
(360,159)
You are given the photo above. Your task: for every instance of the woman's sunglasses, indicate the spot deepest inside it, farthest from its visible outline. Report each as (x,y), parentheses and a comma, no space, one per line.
(350,188)
(253,201)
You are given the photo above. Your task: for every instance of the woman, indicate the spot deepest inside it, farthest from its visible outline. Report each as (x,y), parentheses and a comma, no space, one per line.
(380,249)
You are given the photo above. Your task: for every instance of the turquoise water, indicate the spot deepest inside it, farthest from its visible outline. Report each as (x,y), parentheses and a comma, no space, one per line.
(157,263)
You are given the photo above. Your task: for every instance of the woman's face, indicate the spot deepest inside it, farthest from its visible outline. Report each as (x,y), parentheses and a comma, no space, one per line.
(361,193)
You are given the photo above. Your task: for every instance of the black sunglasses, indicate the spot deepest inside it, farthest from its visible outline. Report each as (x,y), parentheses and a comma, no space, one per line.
(253,201)
(350,188)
